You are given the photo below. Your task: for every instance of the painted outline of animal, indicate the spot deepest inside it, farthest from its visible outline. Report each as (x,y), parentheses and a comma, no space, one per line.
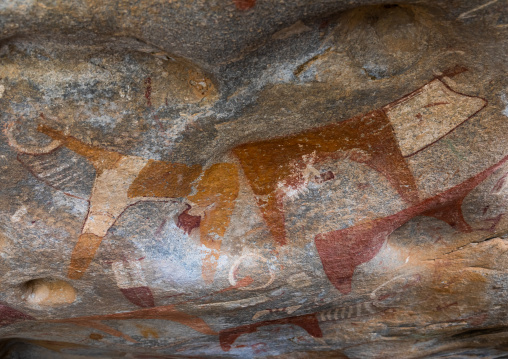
(122,181)
(343,250)
(381,139)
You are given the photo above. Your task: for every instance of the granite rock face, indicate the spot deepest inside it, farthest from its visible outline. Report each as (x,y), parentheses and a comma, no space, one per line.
(242,178)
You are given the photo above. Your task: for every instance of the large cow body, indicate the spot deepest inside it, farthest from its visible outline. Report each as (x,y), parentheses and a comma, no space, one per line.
(382,139)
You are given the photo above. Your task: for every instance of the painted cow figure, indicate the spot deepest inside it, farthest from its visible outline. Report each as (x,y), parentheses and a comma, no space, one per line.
(382,139)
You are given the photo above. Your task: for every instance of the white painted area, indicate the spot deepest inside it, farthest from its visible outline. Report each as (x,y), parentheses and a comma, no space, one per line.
(260,314)
(428,114)
(239,261)
(109,195)
(128,274)
(299,280)
(32,150)
(296,29)
(236,304)
(505,101)
(468,13)
(16,217)
(288,310)
(2,90)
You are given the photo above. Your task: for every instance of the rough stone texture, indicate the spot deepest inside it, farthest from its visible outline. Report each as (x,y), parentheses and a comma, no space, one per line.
(242,178)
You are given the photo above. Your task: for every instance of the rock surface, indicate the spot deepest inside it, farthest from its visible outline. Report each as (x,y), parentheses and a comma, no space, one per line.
(242,178)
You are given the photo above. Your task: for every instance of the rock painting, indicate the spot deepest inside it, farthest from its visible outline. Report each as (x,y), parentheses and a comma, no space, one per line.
(122,181)
(244,4)
(307,322)
(131,281)
(233,272)
(381,299)
(343,250)
(168,312)
(350,311)
(253,179)
(380,139)
(10,315)
(279,168)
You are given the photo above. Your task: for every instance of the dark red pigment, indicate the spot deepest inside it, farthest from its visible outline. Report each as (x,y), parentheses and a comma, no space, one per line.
(326,176)
(188,222)
(148,91)
(343,250)
(140,296)
(10,316)
(307,322)
(244,4)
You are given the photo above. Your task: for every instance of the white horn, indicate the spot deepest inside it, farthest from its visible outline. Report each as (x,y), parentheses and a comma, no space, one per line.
(31,150)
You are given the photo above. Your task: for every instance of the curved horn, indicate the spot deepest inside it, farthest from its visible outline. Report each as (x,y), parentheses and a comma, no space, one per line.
(31,150)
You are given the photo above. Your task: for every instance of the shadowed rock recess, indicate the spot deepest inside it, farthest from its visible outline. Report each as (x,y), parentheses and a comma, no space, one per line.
(253,179)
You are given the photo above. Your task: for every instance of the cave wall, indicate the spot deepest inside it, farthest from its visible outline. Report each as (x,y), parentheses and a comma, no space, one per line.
(242,178)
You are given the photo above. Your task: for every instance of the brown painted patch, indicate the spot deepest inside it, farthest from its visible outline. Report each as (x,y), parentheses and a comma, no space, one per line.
(244,4)
(327,354)
(83,254)
(147,332)
(10,316)
(95,325)
(168,312)
(101,159)
(370,139)
(96,336)
(55,346)
(216,193)
(453,71)
(323,177)
(148,91)
(164,179)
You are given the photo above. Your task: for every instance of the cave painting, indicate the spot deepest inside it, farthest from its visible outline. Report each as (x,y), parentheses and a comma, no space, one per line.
(123,180)
(10,315)
(307,322)
(278,168)
(168,312)
(382,299)
(343,250)
(380,139)
(130,279)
